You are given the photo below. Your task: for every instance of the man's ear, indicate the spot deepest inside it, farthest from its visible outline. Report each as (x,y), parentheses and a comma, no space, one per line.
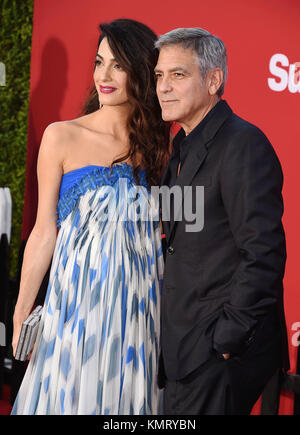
(214,80)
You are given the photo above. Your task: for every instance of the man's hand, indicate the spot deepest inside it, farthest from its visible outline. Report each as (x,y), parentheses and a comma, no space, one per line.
(226,355)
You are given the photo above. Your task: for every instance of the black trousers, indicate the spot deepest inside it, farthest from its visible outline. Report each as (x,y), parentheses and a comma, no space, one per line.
(225,387)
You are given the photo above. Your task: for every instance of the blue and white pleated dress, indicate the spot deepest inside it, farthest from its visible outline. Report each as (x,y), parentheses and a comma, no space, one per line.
(98,342)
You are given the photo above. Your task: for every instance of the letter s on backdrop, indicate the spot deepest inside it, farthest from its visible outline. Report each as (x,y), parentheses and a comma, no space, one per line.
(278,72)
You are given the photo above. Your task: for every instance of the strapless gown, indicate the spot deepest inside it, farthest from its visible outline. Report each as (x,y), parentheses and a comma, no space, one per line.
(98,342)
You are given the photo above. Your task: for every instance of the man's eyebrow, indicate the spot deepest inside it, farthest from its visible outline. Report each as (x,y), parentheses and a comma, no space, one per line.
(174,69)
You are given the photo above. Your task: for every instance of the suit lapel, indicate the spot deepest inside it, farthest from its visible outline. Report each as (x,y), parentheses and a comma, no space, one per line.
(165,181)
(166,176)
(192,164)
(199,141)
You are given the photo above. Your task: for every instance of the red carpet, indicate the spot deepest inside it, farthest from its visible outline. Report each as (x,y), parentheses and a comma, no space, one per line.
(5,406)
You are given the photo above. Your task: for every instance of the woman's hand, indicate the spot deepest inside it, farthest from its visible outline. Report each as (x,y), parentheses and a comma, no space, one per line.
(16,335)
(17,321)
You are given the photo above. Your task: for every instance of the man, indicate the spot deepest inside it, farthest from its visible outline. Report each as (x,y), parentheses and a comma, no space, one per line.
(223,327)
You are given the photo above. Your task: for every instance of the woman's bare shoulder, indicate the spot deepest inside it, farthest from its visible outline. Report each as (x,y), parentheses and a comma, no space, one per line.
(81,141)
(60,129)
(69,129)
(61,134)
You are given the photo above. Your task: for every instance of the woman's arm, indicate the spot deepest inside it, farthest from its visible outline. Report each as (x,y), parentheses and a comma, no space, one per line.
(41,242)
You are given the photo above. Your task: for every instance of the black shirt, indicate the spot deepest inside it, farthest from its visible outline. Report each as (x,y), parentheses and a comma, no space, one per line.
(181,144)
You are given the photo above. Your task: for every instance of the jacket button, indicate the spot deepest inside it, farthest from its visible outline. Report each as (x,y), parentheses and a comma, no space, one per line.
(170,250)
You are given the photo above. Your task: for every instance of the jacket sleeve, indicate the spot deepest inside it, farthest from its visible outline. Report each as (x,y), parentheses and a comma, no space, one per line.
(251,184)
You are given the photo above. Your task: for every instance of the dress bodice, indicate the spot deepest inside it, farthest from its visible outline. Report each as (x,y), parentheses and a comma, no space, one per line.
(76,183)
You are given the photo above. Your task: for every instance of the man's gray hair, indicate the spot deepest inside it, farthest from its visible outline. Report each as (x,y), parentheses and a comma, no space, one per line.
(209,49)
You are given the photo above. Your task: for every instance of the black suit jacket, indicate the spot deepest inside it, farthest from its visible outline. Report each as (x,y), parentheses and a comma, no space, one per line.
(223,284)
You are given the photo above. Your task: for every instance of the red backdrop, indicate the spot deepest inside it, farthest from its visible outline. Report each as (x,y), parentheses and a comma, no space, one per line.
(64,43)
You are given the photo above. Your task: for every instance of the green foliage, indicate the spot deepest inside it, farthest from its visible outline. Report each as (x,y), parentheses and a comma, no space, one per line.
(15,52)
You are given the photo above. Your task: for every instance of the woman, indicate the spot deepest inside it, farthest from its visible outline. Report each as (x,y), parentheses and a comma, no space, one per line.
(97,347)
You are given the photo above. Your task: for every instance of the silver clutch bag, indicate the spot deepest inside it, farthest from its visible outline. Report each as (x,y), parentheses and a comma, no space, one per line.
(28,334)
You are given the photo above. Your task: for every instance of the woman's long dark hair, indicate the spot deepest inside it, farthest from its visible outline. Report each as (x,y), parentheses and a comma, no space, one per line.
(132,44)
